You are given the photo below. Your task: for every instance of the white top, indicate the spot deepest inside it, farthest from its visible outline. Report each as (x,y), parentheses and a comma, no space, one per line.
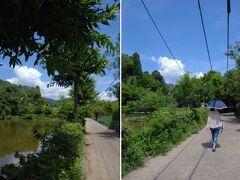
(214,120)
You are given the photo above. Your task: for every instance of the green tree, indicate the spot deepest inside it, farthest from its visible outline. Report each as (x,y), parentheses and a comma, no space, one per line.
(136,64)
(230,89)
(98,109)
(131,91)
(131,66)
(213,85)
(65,44)
(85,58)
(16,99)
(232,77)
(188,91)
(37,27)
(234,54)
(150,102)
(30,108)
(160,80)
(147,81)
(127,67)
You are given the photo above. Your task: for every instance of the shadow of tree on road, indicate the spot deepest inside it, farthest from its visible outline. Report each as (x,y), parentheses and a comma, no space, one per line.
(227,114)
(109,135)
(232,120)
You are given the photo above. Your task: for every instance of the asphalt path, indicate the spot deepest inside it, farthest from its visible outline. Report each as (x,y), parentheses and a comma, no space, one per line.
(102,152)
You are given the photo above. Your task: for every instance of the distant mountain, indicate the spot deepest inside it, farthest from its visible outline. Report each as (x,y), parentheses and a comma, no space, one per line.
(170,85)
(49,99)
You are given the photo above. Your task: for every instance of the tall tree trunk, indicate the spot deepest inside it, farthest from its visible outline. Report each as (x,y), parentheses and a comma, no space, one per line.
(75,92)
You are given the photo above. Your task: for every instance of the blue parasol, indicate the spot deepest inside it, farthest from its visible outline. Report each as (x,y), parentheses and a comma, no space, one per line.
(216,104)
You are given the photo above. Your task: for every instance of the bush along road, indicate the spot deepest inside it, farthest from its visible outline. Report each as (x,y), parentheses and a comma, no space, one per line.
(194,159)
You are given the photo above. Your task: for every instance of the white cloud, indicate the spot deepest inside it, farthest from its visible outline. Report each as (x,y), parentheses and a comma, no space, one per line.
(169,68)
(105,96)
(26,76)
(31,77)
(198,75)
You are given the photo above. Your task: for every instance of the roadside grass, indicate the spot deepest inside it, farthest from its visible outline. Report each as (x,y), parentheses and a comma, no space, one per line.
(162,130)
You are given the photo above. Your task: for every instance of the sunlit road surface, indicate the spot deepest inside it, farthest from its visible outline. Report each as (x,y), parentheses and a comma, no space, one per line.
(102,152)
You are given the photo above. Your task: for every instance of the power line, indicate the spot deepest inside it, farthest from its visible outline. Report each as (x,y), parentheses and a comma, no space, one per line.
(105,80)
(205,36)
(115,30)
(108,86)
(228,13)
(161,35)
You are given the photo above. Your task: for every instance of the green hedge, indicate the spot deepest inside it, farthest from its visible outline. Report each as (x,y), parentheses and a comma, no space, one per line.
(166,127)
(60,157)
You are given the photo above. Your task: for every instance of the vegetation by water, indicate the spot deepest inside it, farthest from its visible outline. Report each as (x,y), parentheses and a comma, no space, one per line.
(162,130)
(17,133)
(60,157)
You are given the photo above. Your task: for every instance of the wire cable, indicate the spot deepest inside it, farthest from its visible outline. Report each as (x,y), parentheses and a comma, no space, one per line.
(114,35)
(102,93)
(205,36)
(105,80)
(161,35)
(228,13)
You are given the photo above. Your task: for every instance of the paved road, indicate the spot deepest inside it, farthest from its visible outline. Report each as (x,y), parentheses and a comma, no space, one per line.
(102,152)
(194,160)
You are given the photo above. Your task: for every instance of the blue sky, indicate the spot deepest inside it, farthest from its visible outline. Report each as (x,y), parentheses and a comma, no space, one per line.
(30,75)
(180,24)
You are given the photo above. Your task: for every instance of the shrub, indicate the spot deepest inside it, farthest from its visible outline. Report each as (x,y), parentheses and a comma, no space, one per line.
(3,115)
(65,109)
(83,112)
(28,117)
(60,157)
(31,109)
(149,102)
(165,128)
(47,110)
(115,123)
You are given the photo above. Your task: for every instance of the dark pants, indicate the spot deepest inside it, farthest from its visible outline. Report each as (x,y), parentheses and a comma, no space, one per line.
(214,132)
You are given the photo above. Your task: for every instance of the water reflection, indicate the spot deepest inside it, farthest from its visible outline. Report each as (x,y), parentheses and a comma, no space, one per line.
(8,159)
(16,135)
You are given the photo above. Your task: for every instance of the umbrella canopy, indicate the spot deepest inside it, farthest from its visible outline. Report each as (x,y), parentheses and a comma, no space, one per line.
(216,104)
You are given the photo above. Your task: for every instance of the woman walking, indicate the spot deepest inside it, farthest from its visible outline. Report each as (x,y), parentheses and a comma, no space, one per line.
(214,124)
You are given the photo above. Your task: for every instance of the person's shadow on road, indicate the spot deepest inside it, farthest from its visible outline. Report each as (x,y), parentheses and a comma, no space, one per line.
(208,145)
